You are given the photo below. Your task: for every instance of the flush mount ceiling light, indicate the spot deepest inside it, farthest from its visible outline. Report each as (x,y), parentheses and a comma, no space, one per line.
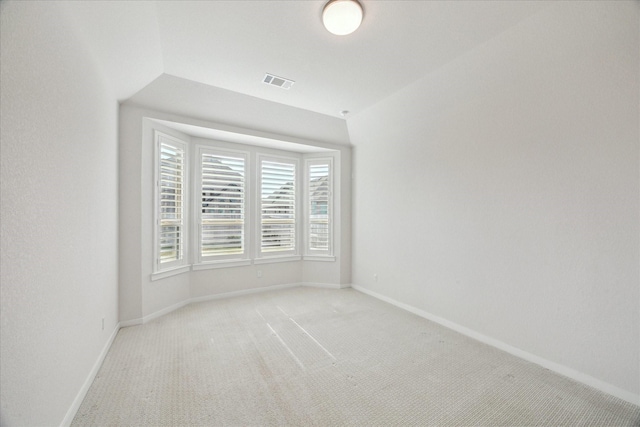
(342,17)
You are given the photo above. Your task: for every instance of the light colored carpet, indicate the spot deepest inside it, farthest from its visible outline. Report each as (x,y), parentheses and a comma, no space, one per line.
(320,357)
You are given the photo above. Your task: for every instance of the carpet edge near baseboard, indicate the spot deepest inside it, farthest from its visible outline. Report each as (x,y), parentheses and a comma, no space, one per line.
(580,377)
(73,409)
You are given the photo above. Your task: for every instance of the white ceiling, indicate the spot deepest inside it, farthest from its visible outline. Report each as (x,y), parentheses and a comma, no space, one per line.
(232,44)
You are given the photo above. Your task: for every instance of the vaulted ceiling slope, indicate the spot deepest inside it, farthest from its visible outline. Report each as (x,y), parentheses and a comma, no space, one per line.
(232,44)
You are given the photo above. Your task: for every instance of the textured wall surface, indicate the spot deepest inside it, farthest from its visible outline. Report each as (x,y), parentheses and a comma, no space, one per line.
(59,214)
(501,192)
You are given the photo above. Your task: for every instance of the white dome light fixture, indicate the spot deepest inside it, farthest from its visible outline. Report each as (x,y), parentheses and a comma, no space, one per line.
(342,17)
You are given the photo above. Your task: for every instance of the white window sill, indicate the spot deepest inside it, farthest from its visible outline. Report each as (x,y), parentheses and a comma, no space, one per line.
(221,264)
(269,260)
(171,272)
(324,258)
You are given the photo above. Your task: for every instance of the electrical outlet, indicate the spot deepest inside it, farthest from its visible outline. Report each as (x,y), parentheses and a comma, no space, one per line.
(259,273)
(375,277)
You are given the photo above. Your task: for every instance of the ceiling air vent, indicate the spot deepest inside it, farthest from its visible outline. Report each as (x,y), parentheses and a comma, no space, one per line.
(270,79)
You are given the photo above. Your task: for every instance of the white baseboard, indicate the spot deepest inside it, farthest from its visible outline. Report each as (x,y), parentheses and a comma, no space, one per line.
(71,413)
(242,292)
(133,322)
(224,295)
(553,366)
(326,285)
(155,315)
(166,310)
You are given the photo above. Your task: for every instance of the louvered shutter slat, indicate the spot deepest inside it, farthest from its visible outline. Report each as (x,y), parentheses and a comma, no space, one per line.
(319,207)
(171,181)
(222,205)
(278,212)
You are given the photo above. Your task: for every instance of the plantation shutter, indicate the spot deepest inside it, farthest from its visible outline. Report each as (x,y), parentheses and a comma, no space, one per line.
(223,206)
(319,208)
(171,202)
(278,207)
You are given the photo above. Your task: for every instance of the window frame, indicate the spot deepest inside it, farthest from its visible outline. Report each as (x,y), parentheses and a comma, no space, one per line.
(161,270)
(319,254)
(261,256)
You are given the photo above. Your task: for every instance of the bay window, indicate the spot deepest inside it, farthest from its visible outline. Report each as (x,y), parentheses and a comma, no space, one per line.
(249,205)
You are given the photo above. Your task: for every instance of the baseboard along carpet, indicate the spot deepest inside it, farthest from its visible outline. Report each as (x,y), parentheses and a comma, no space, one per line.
(322,357)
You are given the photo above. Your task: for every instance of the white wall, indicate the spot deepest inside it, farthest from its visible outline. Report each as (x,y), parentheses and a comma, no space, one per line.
(501,192)
(58,214)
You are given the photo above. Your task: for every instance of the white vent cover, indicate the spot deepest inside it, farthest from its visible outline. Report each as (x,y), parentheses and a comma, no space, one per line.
(270,79)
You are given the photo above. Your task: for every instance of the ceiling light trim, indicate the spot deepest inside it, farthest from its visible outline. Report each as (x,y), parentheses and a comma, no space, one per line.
(342,17)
